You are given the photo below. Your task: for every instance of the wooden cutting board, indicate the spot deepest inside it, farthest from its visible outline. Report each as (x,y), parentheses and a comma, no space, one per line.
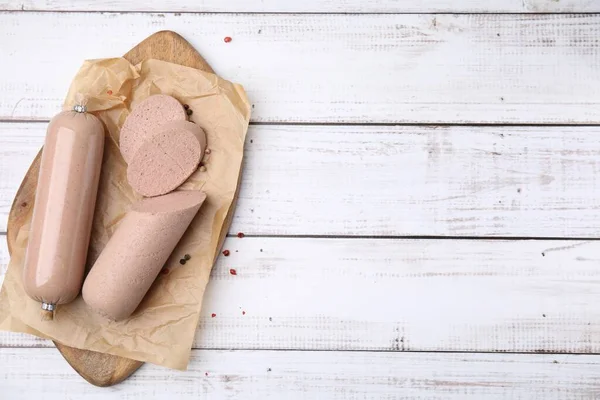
(97,368)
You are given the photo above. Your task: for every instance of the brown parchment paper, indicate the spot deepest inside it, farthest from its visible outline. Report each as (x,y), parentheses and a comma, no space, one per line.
(162,329)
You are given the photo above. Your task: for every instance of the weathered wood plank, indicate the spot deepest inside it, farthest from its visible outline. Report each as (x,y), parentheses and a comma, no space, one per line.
(395,180)
(313,6)
(399,295)
(315,375)
(335,68)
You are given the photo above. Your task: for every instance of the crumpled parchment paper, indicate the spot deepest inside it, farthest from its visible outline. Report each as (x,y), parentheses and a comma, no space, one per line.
(162,329)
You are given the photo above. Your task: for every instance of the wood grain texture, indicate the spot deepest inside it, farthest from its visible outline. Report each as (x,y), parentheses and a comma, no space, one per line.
(168,46)
(264,375)
(97,368)
(312,6)
(400,295)
(482,68)
(395,181)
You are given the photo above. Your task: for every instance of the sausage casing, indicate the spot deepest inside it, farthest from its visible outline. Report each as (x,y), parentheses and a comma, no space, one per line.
(64,208)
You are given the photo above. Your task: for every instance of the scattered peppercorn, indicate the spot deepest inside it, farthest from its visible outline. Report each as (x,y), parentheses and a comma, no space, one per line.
(240,235)
(243,312)
(182,261)
(227,39)
(186,106)
(213,315)
(189,111)
(226,253)
(187,257)
(206,374)
(165,271)
(233,271)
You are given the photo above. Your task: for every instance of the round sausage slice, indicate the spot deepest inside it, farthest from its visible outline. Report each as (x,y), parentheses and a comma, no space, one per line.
(145,118)
(166,160)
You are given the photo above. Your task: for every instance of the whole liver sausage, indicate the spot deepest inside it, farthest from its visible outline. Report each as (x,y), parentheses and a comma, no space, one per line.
(137,251)
(144,119)
(167,159)
(64,208)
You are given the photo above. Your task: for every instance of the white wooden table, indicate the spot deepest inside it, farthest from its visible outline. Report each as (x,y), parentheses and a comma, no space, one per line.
(421,195)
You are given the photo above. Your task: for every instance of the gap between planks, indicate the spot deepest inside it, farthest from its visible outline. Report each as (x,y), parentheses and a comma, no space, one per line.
(375,124)
(308,13)
(47,344)
(359,237)
(310,6)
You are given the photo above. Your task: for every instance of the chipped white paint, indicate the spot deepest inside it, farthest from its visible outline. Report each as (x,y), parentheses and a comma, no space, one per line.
(315,6)
(401,295)
(263,375)
(335,68)
(379,180)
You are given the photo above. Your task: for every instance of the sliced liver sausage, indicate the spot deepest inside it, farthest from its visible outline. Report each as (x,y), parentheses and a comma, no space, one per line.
(144,119)
(167,159)
(137,251)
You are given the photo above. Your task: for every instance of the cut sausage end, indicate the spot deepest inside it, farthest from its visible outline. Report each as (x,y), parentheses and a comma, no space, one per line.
(137,251)
(173,202)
